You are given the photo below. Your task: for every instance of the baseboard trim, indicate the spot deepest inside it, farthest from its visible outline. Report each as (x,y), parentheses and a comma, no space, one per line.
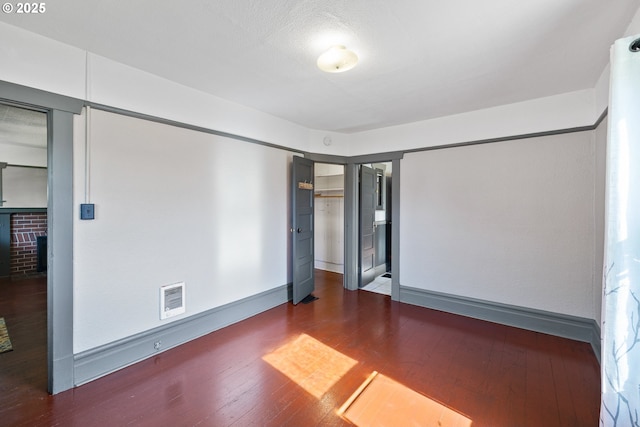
(562,325)
(380,270)
(95,363)
(329,266)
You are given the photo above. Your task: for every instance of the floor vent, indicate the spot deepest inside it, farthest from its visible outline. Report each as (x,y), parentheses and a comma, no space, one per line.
(172,300)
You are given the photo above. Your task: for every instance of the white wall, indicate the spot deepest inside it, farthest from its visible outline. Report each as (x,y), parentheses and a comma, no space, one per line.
(600,158)
(329,234)
(172,205)
(115,84)
(24,187)
(509,222)
(24,156)
(32,60)
(602,85)
(39,62)
(569,110)
(634,27)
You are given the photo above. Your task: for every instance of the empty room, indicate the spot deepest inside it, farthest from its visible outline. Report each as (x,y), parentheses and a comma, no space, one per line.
(362,213)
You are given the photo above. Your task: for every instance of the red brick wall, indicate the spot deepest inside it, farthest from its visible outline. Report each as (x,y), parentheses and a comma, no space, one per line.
(25,227)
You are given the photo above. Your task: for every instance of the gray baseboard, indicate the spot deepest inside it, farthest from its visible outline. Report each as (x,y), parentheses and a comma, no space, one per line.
(572,327)
(92,364)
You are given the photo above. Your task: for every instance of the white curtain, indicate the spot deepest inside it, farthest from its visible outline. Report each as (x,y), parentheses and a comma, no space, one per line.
(621,291)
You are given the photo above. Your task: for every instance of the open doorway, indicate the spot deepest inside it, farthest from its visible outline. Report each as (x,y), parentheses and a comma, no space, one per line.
(60,112)
(375,227)
(329,217)
(351,201)
(23,246)
(372,219)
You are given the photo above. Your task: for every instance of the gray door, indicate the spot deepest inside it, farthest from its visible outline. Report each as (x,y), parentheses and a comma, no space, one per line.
(302,229)
(367,224)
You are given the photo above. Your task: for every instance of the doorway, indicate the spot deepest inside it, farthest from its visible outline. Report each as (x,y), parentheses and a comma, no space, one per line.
(351,211)
(24,189)
(60,111)
(375,211)
(371,220)
(329,217)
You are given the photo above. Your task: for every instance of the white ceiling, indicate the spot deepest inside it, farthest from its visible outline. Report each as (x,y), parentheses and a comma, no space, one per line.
(20,127)
(419,59)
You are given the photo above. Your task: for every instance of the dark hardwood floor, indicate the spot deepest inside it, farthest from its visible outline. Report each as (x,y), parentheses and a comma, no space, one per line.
(493,375)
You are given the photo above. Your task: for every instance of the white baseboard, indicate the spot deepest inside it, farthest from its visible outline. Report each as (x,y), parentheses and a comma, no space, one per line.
(329,266)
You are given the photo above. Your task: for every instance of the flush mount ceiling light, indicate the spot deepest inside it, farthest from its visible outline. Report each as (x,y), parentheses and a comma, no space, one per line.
(337,59)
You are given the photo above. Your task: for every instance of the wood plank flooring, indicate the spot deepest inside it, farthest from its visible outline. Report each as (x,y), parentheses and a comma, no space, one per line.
(493,375)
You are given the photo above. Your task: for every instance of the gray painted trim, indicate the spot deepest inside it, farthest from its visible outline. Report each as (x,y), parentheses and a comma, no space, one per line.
(351,241)
(395,230)
(513,137)
(603,116)
(182,125)
(60,251)
(327,158)
(377,158)
(25,166)
(60,224)
(347,279)
(100,361)
(37,99)
(22,210)
(2,166)
(562,325)
(351,209)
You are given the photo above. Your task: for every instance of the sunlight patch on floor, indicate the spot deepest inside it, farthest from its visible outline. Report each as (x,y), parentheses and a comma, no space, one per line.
(381,401)
(311,364)
(381,285)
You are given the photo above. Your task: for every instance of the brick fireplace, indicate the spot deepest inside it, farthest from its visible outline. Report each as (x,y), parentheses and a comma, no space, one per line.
(26,228)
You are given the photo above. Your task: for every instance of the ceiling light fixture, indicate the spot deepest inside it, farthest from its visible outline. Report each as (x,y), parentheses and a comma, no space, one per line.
(337,59)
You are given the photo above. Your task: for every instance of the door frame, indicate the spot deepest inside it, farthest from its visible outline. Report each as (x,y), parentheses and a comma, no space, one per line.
(60,110)
(351,213)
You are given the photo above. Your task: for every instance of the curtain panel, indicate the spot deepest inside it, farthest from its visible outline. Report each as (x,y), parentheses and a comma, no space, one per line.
(620,363)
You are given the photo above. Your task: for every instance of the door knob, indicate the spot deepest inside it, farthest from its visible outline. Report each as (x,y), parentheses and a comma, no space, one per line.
(299,230)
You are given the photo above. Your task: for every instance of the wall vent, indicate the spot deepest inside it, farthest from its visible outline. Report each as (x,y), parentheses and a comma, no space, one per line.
(172,300)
